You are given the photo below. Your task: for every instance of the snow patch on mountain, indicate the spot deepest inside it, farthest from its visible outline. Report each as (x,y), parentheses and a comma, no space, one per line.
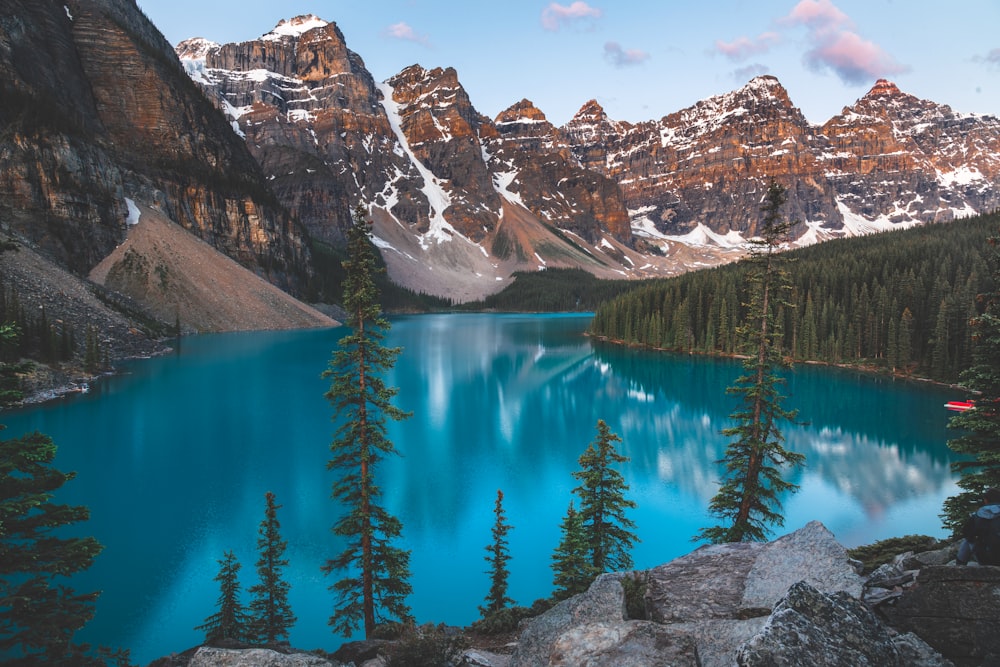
(295,27)
(856,224)
(961,176)
(133,213)
(438,198)
(701,235)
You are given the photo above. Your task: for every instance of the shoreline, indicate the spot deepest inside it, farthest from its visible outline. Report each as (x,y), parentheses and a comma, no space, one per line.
(862,369)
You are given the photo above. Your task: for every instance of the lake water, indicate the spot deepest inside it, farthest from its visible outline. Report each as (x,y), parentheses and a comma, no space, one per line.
(174,458)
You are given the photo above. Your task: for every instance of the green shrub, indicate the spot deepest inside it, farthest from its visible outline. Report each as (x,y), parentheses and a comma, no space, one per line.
(883,551)
(635,585)
(426,646)
(509,619)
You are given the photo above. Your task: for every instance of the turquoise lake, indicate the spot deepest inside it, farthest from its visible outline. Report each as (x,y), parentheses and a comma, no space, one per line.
(175,455)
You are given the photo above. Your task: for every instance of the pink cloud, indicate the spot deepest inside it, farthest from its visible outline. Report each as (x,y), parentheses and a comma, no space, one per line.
(742,48)
(852,58)
(818,15)
(555,15)
(835,44)
(619,57)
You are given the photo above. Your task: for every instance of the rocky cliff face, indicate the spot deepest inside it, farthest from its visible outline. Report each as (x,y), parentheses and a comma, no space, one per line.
(415,148)
(544,175)
(415,151)
(891,159)
(311,116)
(96,111)
(900,159)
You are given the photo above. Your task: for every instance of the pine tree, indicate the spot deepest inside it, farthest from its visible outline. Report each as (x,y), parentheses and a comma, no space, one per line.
(362,402)
(748,499)
(10,381)
(980,427)
(271,614)
(603,504)
(231,620)
(573,572)
(39,613)
(498,555)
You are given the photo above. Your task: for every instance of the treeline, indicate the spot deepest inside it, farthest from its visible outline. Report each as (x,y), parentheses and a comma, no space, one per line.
(328,277)
(900,301)
(553,290)
(45,339)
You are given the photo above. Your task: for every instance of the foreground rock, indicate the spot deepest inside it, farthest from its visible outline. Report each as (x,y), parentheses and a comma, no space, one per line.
(809,627)
(954,609)
(793,601)
(798,600)
(208,656)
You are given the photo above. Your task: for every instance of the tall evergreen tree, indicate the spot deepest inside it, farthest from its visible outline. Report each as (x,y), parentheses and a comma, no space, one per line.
(748,499)
(231,620)
(979,427)
(498,555)
(603,504)
(572,570)
(271,614)
(39,613)
(377,587)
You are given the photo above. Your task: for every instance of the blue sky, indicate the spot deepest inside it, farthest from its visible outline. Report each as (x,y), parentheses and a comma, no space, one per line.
(645,59)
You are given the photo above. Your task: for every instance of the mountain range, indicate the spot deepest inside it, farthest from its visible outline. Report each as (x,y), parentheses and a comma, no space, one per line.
(263,148)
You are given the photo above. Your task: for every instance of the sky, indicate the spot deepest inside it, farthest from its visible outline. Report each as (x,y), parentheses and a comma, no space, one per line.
(644,59)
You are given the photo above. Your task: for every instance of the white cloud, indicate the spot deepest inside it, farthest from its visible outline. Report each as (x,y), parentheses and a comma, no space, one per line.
(402,31)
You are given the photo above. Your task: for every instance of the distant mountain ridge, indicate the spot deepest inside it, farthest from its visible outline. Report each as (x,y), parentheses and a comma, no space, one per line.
(641,199)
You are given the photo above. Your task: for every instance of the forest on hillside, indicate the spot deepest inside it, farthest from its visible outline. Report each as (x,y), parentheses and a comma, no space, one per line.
(899,301)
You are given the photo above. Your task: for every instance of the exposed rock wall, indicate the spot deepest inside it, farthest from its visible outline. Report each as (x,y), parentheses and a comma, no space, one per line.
(96,111)
(889,159)
(329,138)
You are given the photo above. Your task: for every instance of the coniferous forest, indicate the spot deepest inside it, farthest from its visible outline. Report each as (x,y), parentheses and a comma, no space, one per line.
(899,301)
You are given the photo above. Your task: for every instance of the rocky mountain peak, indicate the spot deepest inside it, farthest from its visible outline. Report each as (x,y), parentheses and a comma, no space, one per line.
(763,90)
(522,111)
(295,27)
(590,113)
(884,88)
(435,87)
(196,48)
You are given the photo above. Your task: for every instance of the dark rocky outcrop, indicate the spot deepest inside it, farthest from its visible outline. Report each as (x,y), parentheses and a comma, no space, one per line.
(830,629)
(954,609)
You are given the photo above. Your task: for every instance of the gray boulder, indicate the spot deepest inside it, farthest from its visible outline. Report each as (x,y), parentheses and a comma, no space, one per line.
(700,607)
(590,630)
(209,656)
(809,627)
